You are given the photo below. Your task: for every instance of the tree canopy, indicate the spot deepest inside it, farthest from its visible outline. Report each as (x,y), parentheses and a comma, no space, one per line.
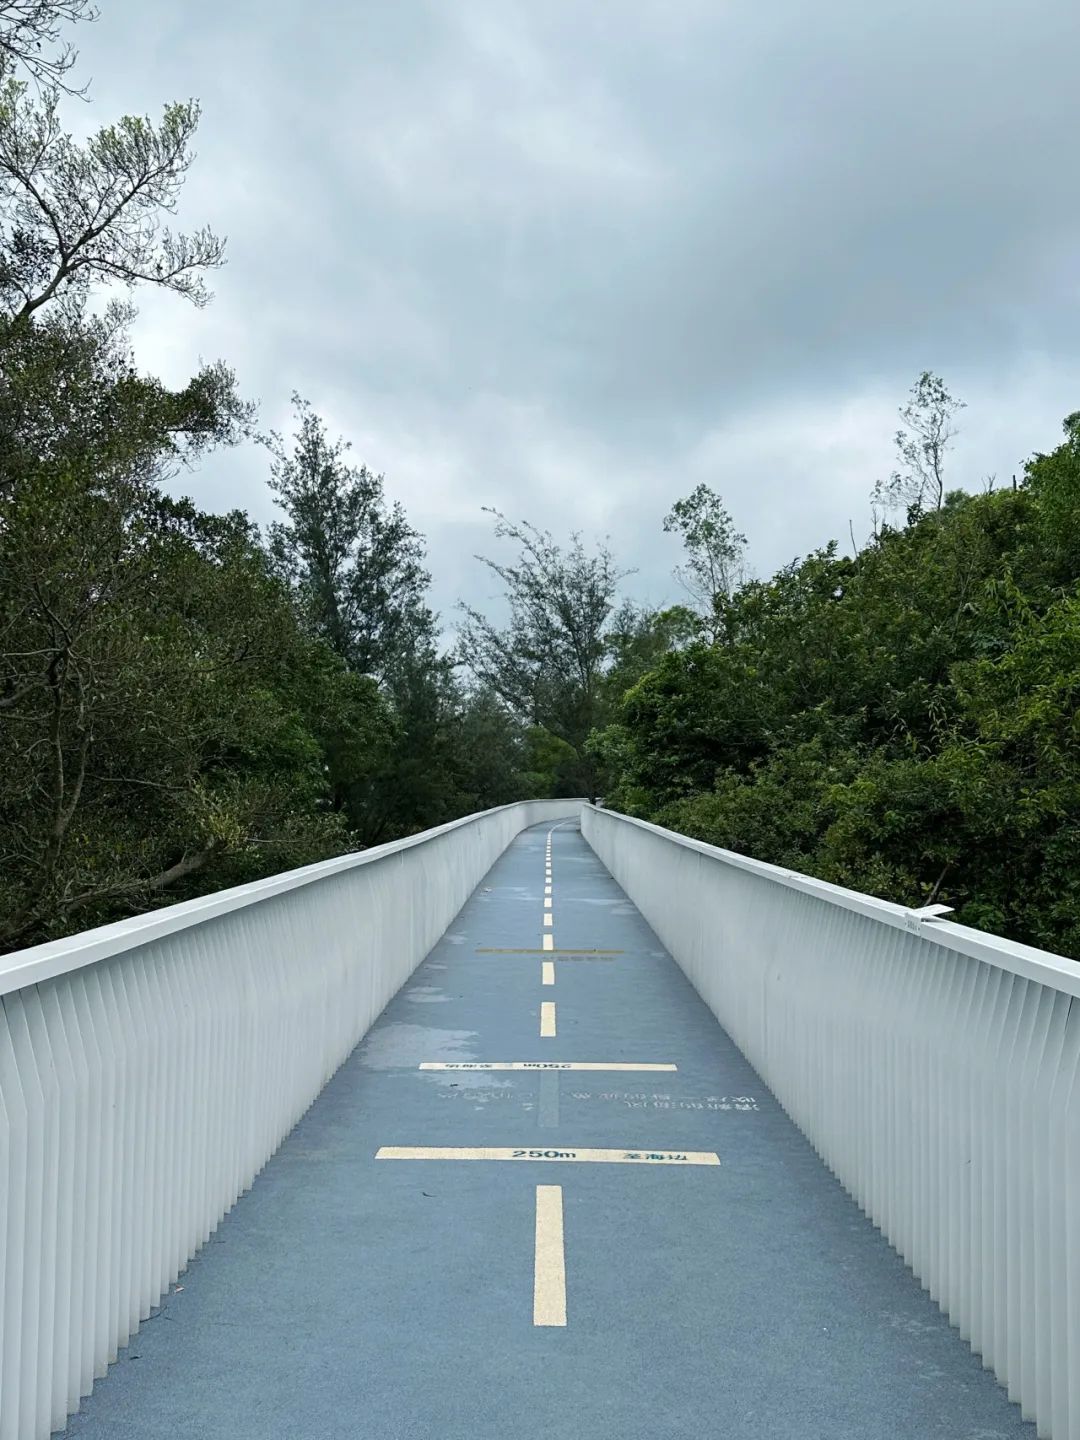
(186,702)
(902,722)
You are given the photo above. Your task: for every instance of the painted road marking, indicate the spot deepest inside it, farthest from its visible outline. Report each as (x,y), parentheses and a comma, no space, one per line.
(547,889)
(547,919)
(547,1019)
(599,1157)
(539,1065)
(529,950)
(547,972)
(547,901)
(549,1100)
(549,1272)
(572,955)
(549,942)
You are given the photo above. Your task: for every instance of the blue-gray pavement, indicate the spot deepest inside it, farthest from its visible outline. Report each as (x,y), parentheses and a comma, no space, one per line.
(392,1300)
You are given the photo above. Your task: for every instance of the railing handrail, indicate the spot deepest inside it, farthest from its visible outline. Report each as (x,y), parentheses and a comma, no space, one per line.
(86,947)
(1042,966)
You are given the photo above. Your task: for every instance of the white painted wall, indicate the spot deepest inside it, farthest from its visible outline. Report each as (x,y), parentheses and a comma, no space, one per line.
(935,1069)
(149,1069)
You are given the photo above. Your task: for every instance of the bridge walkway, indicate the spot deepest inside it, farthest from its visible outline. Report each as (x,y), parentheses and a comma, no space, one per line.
(605,1281)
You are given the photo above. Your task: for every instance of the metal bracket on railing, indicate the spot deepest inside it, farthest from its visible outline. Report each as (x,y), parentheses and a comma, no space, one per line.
(914,919)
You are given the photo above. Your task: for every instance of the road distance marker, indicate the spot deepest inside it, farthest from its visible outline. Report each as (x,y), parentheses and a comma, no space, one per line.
(599,1157)
(528,950)
(539,1065)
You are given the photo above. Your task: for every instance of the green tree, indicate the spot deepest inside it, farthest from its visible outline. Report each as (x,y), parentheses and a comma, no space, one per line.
(927,431)
(1054,482)
(715,564)
(74,215)
(547,663)
(354,562)
(152,728)
(901,722)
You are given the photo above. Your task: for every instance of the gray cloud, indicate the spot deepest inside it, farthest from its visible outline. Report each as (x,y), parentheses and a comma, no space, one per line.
(571,259)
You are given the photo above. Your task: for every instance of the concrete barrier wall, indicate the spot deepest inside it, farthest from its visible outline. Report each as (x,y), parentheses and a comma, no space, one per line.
(149,1069)
(935,1069)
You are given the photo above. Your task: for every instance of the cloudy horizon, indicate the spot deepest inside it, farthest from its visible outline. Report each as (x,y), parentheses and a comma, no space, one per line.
(570,261)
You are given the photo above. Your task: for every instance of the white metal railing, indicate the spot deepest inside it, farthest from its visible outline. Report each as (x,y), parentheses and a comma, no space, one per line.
(149,1069)
(935,1069)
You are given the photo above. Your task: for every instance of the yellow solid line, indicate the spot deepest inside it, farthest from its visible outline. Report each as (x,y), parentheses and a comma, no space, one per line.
(547,971)
(549,1272)
(547,1019)
(549,942)
(538,1065)
(556,1156)
(547,920)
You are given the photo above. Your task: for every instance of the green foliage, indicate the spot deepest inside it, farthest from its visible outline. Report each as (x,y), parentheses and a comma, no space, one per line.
(548,662)
(550,765)
(180,708)
(1054,480)
(903,723)
(75,215)
(353,561)
(715,550)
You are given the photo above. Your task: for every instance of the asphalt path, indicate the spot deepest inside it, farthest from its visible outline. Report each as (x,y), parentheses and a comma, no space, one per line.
(467,1253)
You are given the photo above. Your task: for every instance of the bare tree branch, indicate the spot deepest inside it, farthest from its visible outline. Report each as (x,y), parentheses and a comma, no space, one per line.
(26,26)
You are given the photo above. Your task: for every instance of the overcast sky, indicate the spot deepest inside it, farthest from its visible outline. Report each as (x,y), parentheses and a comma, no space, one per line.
(571,257)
